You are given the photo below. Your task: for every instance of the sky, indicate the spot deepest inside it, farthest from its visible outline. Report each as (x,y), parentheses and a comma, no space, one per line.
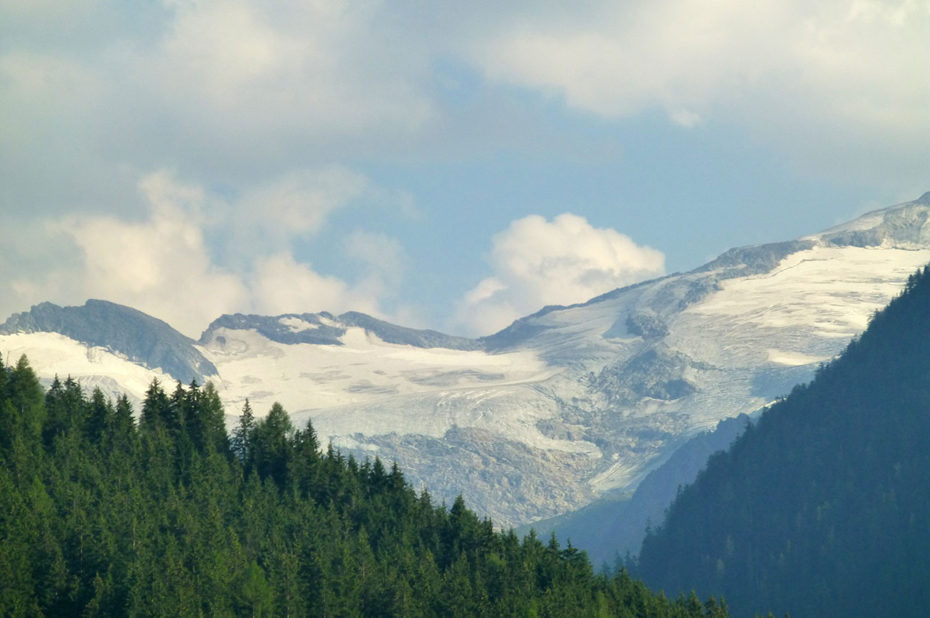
(440,165)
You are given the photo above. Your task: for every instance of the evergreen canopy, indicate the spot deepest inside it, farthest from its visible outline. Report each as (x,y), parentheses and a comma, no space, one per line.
(103,517)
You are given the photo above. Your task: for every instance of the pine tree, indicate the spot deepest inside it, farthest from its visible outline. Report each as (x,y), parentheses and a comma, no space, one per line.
(242,436)
(99,417)
(271,445)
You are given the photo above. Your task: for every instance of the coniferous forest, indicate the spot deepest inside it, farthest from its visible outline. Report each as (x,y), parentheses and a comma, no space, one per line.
(823,507)
(104,515)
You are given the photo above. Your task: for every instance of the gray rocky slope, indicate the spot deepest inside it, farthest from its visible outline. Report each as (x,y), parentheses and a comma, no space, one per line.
(135,335)
(612,529)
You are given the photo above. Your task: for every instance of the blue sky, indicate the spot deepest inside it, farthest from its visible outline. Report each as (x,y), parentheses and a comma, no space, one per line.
(443,165)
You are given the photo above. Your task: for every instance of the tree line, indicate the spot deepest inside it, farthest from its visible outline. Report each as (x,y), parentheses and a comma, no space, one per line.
(102,514)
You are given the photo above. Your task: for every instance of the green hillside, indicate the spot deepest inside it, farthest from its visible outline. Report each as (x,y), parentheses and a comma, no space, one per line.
(101,516)
(823,507)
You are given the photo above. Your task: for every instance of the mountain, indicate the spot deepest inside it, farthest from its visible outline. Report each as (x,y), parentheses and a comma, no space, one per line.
(108,345)
(139,337)
(564,406)
(612,528)
(326,329)
(821,508)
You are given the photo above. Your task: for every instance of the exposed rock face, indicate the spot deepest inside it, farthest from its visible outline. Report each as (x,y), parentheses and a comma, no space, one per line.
(123,330)
(656,373)
(327,329)
(614,527)
(647,325)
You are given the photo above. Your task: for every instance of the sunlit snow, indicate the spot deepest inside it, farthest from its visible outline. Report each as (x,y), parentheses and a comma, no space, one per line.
(51,354)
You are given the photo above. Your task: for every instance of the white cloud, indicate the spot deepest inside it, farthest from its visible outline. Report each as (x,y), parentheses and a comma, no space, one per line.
(685,118)
(833,84)
(302,201)
(620,59)
(310,68)
(380,254)
(230,91)
(255,100)
(537,262)
(684,55)
(282,285)
(233,91)
(160,265)
(272,214)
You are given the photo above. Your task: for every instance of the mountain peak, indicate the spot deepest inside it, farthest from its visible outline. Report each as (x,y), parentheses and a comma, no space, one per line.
(291,328)
(326,329)
(127,331)
(902,226)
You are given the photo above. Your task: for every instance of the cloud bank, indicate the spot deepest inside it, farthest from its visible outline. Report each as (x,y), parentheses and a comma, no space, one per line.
(233,91)
(162,264)
(829,84)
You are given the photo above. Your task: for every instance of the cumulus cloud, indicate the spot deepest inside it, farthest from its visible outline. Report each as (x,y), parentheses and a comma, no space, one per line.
(159,265)
(293,205)
(537,262)
(254,101)
(283,285)
(302,201)
(685,55)
(230,91)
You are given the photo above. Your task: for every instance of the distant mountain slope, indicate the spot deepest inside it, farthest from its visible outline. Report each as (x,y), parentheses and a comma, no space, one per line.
(564,406)
(122,330)
(613,528)
(821,508)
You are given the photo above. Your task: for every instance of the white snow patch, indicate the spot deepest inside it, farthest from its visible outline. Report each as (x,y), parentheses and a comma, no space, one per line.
(793,359)
(867,221)
(296,325)
(325,321)
(52,354)
(347,442)
(834,290)
(359,338)
(365,370)
(619,474)
(509,411)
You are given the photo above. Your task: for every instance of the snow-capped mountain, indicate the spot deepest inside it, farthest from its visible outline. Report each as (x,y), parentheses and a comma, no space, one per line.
(552,412)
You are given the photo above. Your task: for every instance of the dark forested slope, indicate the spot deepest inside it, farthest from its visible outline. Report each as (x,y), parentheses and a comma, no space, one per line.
(100,516)
(823,507)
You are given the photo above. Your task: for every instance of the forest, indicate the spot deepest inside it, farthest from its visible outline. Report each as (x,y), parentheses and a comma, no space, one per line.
(821,508)
(105,512)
